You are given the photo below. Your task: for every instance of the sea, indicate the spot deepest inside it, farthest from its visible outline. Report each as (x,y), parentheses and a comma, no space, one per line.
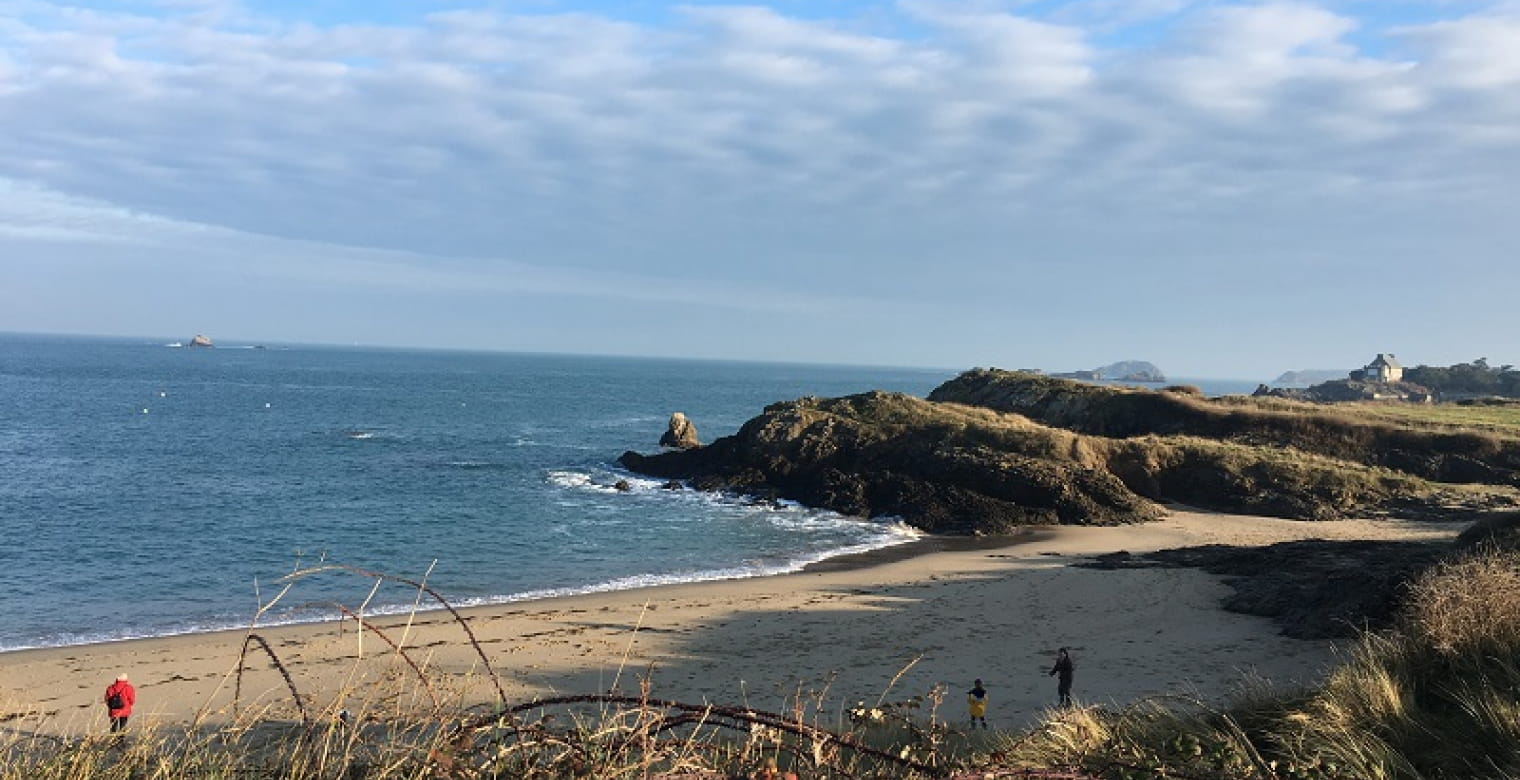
(149,488)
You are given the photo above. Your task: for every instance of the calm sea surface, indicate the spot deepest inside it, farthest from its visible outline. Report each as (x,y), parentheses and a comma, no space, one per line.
(147,489)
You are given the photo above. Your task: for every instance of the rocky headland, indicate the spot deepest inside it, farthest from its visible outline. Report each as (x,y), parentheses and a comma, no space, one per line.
(1305,377)
(992,450)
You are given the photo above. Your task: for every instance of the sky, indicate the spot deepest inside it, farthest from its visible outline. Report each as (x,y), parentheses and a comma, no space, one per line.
(1226,189)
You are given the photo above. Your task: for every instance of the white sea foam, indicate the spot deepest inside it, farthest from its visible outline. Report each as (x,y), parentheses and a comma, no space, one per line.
(600,482)
(893,535)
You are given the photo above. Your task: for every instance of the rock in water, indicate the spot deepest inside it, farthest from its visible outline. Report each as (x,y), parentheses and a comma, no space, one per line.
(200,341)
(681,435)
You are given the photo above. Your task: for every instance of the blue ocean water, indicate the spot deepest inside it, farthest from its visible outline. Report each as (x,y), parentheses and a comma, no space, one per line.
(147,489)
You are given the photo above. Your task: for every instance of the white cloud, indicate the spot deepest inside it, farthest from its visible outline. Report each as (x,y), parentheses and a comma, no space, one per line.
(1479,53)
(967,146)
(1029,58)
(1272,31)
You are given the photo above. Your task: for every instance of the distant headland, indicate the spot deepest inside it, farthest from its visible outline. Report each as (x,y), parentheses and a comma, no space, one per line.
(992,450)
(1122,371)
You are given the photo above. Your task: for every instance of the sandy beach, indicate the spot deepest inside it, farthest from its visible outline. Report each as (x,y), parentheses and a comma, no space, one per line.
(947,611)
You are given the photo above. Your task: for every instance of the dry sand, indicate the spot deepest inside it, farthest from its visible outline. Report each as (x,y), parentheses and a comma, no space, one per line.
(948,611)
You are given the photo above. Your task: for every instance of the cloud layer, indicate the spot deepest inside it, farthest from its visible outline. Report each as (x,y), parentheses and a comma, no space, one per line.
(1060,188)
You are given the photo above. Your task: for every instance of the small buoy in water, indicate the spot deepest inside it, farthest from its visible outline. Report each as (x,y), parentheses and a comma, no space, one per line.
(162,394)
(266,404)
(145,410)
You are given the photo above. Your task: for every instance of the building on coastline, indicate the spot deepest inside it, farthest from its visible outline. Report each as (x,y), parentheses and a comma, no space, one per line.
(1383,368)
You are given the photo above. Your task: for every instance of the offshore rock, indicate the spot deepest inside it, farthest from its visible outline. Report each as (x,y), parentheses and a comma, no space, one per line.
(681,434)
(200,341)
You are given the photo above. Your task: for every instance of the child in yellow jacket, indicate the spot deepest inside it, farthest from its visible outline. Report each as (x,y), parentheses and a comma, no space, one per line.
(976,702)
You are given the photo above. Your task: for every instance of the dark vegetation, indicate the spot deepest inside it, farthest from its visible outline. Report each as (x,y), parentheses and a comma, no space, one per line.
(990,450)
(1475,378)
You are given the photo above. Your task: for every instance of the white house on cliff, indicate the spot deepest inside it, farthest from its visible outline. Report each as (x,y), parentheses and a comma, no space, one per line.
(1383,368)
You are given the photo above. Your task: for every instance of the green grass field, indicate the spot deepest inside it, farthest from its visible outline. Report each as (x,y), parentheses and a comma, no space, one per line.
(1504,420)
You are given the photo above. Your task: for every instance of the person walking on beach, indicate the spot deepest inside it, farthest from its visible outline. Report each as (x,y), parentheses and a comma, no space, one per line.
(120,696)
(976,702)
(1063,668)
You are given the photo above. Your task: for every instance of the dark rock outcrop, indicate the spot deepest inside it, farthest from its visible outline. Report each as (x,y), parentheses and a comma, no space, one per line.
(954,468)
(941,468)
(1313,589)
(681,434)
(1500,530)
(1349,390)
(991,450)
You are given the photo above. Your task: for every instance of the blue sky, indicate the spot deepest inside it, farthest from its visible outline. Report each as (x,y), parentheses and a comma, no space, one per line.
(1224,188)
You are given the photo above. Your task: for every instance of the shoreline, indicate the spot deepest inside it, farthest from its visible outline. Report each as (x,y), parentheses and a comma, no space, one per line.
(939,614)
(902,551)
(850,559)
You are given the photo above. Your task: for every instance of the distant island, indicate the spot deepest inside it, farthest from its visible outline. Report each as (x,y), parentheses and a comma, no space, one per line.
(1122,371)
(1309,376)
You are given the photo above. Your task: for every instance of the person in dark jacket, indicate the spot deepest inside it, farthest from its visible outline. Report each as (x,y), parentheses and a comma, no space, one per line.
(1063,668)
(119,698)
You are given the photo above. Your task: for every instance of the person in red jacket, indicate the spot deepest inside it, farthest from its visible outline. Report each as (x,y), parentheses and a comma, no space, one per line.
(120,697)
